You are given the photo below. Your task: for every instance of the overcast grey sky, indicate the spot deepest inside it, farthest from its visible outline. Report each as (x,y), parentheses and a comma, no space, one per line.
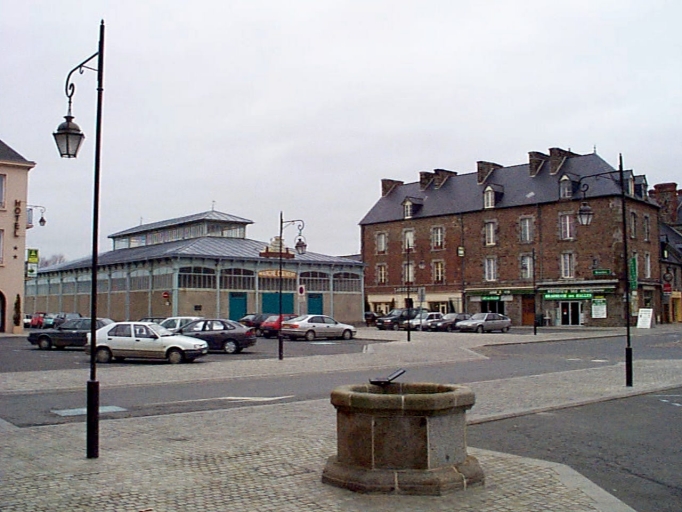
(305,105)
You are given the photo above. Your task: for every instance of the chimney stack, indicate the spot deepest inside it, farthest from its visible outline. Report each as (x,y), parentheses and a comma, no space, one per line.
(388,185)
(665,194)
(557,157)
(485,169)
(425,178)
(441,175)
(535,161)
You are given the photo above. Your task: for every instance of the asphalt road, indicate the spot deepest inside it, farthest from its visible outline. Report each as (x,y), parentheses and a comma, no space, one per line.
(631,447)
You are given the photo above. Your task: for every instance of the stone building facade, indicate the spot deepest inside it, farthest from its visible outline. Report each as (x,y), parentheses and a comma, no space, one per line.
(507,240)
(15,215)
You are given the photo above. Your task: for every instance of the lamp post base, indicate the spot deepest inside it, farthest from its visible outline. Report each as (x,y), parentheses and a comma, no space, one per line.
(93,419)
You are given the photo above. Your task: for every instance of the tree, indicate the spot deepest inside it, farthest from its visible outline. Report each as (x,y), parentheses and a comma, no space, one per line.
(55,259)
(17,311)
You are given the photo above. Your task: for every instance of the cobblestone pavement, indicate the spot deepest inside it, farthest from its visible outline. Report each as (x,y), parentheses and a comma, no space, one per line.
(270,457)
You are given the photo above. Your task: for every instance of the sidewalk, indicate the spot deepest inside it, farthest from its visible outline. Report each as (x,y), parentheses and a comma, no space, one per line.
(270,457)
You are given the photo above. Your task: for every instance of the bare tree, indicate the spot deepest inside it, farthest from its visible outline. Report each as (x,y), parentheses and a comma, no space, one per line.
(52,260)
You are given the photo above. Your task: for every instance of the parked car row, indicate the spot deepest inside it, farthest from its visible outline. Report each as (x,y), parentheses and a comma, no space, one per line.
(418,319)
(42,320)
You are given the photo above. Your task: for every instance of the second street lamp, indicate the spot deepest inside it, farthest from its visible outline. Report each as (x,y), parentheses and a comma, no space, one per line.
(68,138)
(301,248)
(585,215)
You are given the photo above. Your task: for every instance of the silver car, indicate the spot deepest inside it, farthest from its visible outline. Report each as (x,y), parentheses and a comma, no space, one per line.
(485,322)
(145,340)
(316,326)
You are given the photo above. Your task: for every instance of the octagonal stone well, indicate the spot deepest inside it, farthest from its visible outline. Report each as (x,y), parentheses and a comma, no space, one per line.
(402,438)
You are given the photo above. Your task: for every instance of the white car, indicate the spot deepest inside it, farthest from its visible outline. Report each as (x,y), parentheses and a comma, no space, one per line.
(145,340)
(174,323)
(422,320)
(486,322)
(316,326)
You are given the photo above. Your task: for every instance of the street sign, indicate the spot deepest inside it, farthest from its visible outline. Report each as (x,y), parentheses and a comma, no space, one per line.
(32,256)
(601,272)
(633,272)
(667,287)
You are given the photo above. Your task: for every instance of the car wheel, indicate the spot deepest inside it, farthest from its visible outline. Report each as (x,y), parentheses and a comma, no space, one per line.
(347,334)
(479,329)
(310,335)
(395,327)
(449,328)
(259,332)
(103,355)
(230,347)
(175,356)
(505,329)
(44,343)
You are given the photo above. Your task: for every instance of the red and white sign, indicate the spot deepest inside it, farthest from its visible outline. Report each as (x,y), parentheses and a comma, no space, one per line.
(667,287)
(166,295)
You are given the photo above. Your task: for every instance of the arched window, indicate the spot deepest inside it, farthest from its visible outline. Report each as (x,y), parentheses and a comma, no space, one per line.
(347,282)
(196,277)
(489,198)
(315,281)
(237,279)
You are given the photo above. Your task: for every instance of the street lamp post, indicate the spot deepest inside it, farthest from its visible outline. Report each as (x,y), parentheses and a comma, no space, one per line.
(69,138)
(301,248)
(585,215)
(408,279)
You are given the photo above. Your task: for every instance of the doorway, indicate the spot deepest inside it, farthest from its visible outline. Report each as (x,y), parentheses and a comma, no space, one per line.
(570,312)
(527,310)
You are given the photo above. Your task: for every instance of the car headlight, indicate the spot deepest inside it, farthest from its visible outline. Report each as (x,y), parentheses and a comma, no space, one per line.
(197,346)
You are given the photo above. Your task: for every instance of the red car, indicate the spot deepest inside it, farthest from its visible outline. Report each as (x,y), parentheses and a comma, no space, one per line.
(271,325)
(37,320)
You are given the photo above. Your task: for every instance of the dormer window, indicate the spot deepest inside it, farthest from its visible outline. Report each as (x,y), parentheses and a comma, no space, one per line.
(489,198)
(565,188)
(407,210)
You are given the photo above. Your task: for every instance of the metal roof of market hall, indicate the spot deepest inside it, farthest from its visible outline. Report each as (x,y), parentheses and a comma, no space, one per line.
(203,247)
(211,215)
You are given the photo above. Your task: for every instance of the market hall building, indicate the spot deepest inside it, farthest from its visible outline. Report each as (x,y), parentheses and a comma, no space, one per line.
(201,265)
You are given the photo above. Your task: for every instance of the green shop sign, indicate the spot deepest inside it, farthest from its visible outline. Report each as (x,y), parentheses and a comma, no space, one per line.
(567,296)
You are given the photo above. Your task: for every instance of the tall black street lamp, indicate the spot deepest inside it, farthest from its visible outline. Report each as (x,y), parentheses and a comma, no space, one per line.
(69,138)
(585,215)
(301,248)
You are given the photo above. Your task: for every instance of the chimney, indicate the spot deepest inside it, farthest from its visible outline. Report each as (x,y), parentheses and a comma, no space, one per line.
(425,178)
(485,169)
(665,194)
(535,161)
(557,157)
(387,186)
(441,175)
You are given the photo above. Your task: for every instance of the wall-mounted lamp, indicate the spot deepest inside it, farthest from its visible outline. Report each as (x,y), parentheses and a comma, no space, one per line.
(31,208)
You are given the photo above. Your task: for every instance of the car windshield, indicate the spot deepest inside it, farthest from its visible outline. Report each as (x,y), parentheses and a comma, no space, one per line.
(479,316)
(161,331)
(450,316)
(271,318)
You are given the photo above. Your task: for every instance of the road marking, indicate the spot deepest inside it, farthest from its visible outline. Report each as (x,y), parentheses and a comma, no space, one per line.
(574,359)
(599,361)
(228,399)
(323,343)
(82,411)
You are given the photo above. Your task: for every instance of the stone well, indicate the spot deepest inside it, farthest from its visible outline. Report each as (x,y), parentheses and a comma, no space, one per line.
(402,438)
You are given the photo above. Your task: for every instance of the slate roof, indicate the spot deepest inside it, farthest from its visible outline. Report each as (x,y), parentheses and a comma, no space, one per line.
(210,215)
(462,193)
(7,154)
(204,247)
